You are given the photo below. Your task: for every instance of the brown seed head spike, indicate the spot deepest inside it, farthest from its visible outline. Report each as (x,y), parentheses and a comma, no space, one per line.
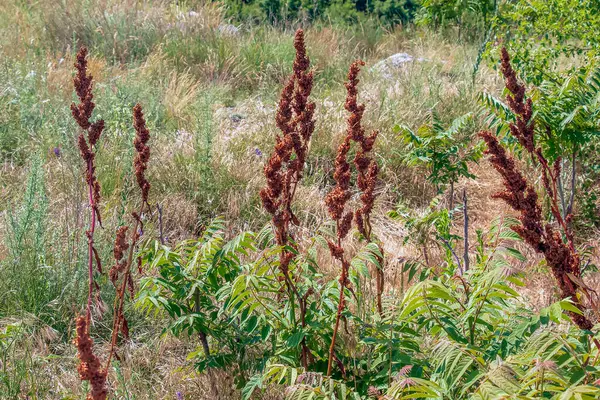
(89,365)
(90,368)
(303,109)
(295,120)
(121,273)
(95,131)
(301,62)
(283,170)
(518,193)
(337,198)
(356,111)
(523,130)
(142,136)
(561,257)
(83,87)
(82,113)
(366,167)
(284,111)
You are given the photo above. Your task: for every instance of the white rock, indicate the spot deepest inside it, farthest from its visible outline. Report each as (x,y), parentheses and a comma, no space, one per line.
(394,62)
(228,30)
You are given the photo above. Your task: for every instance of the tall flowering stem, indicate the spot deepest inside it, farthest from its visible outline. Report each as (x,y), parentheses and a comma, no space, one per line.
(123,266)
(337,199)
(561,255)
(87,139)
(366,168)
(285,166)
(89,367)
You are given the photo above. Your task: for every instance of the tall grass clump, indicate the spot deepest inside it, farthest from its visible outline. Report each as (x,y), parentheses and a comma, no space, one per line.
(121,31)
(27,280)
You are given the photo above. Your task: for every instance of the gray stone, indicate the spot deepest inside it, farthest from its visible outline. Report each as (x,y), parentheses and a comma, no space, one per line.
(228,30)
(394,63)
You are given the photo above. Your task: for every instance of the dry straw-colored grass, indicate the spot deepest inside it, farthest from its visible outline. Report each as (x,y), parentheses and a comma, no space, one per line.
(180,94)
(156,367)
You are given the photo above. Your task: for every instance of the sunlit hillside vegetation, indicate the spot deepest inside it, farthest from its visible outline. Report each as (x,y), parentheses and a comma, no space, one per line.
(274,199)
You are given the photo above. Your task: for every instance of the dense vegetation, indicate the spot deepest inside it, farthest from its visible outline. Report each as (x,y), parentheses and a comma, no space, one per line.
(254,200)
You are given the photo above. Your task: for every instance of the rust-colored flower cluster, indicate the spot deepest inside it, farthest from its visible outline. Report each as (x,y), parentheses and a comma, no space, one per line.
(523,129)
(119,250)
(142,135)
(543,237)
(82,113)
(122,268)
(89,368)
(337,199)
(284,168)
(366,169)
(286,164)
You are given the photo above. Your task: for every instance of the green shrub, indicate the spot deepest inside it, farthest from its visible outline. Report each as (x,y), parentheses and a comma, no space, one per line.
(389,12)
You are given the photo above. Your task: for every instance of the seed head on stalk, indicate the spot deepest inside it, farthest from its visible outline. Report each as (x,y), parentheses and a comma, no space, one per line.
(89,365)
(336,200)
(284,168)
(519,194)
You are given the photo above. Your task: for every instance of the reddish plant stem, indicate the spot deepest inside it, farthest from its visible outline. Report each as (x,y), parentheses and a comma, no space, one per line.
(90,235)
(120,300)
(341,305)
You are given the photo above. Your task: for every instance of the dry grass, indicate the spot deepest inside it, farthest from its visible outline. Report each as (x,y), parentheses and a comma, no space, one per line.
(150,367)
(180,94)
(242,77)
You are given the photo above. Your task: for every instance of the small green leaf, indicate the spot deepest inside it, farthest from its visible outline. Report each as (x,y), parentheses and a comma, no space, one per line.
(255,382)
